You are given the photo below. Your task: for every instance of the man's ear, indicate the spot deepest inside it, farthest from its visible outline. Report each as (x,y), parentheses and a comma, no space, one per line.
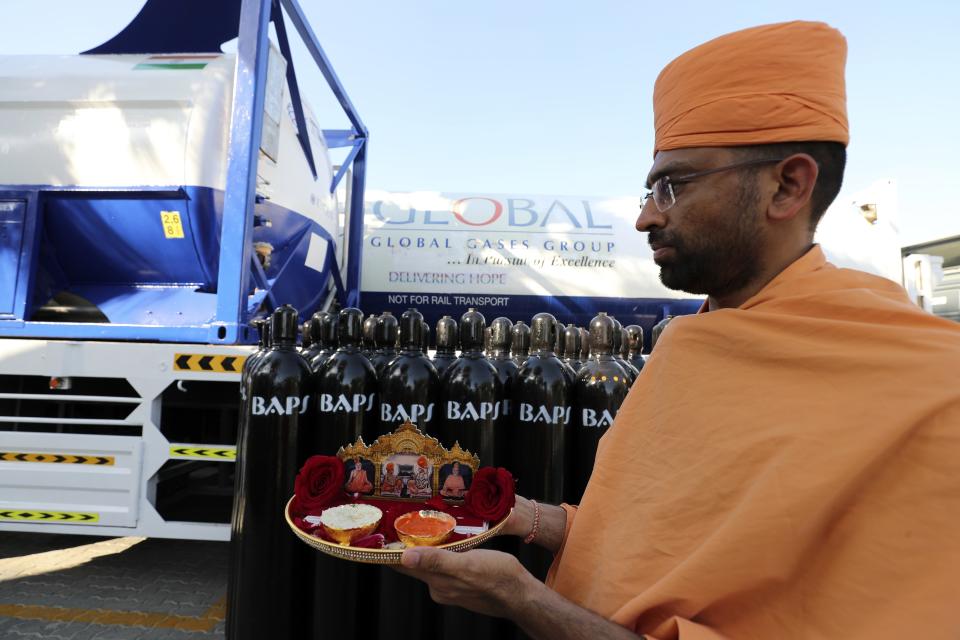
(796,176)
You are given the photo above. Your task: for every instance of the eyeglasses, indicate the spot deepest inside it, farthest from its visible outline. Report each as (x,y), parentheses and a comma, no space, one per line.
(662,191)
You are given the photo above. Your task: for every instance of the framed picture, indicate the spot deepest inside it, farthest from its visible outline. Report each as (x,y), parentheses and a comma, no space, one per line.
(359,476)
(454,480)
(456,473)
(407,465)
(391,482)
(414,475)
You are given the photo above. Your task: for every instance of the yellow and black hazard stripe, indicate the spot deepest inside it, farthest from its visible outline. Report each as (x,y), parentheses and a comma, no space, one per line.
(56,458)
(187,452)
(48,516)
(208,363)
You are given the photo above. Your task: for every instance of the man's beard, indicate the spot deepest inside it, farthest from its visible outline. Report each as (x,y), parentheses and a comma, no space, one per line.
(720,261)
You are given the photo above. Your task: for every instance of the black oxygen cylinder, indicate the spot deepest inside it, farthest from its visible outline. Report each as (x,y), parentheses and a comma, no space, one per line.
(425,339)
(657,330)
(559,348)
(386,339)
(447,339)
(633,345)
(346,390)
(250,364)
(571,349)
(622,353)
(542,415)
(409,389)
(471,395)
(471,398)
(263,332)
(601,387)
(346,409)
(520,343)
(584,345)
(409,386)
(632,372)
(560,351)
(311,337)
(541,442)
(304,336)
(487,349)
(369,331)
(328,340)
(273,442)
(500,332)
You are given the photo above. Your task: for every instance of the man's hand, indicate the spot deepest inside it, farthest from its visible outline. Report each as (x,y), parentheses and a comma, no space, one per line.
(495,584)
(488,582)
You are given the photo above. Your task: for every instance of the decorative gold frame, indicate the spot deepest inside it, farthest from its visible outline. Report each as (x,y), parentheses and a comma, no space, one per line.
(408,439)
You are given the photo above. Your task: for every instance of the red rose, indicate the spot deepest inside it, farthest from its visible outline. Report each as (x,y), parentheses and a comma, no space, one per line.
(491,494)
(319,483)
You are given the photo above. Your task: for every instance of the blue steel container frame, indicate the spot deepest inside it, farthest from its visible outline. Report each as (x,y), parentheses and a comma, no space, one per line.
(236,262)
(245,129)
(357,138)
(246,125)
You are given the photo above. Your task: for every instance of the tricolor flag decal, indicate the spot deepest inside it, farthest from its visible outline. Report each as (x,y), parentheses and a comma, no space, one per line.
(177,61)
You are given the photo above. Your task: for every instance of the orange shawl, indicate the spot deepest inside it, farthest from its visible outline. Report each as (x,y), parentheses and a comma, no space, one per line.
(788,469)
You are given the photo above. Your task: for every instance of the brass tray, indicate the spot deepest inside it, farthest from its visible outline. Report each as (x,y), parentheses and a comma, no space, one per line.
(383,556)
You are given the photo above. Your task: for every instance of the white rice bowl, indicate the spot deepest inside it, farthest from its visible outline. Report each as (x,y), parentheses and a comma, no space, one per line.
(347,517)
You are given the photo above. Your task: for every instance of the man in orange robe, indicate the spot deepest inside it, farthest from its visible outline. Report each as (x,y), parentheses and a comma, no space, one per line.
(793,449)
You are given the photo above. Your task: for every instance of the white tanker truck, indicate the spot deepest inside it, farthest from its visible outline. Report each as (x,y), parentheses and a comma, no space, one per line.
(156,195)
(515,255)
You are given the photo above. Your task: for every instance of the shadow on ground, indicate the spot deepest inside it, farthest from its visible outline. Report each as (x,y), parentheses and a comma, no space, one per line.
(91,588)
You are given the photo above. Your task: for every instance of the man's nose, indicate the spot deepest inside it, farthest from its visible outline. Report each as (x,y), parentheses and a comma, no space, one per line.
(650,216)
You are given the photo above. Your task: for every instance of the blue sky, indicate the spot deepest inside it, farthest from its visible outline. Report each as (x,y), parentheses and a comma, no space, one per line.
(547,97)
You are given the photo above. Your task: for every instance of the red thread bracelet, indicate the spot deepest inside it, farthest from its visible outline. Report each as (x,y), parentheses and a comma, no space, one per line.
(536,524)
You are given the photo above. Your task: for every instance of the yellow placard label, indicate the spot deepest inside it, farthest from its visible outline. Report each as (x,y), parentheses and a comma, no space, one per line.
(208,363)
(29,515)
(186,452)
(55,458)
(172,226)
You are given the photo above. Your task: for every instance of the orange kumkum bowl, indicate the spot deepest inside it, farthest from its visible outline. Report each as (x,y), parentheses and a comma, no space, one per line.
(424,528)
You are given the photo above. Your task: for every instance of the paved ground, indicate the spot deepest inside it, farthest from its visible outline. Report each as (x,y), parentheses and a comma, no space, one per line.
(86,588)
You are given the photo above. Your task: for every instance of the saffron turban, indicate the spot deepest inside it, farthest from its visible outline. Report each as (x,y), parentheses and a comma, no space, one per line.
(774,83)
